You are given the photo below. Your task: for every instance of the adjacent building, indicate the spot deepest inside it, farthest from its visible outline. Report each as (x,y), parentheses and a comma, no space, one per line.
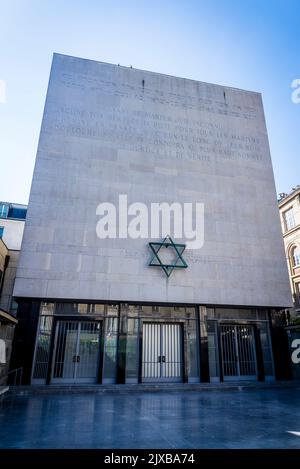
(148,306)
(12,220)
(289,208)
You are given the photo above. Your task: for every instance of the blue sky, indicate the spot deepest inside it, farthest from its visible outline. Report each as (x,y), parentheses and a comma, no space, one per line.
(246,44)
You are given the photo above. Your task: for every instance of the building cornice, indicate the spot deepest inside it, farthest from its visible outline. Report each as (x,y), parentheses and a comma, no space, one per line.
(288,198)
(291,231)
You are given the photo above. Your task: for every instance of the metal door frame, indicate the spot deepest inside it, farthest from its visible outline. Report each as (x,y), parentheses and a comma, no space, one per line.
(74,380)
(238,376)
(162,379)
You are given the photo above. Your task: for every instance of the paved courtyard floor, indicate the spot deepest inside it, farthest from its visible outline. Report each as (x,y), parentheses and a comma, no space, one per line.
(208,419)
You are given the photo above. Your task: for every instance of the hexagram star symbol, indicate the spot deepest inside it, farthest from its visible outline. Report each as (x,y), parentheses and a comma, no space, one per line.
(179,262)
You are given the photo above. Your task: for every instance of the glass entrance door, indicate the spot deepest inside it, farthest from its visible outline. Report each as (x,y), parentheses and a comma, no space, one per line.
(162,352)
(238,352)
(76,352)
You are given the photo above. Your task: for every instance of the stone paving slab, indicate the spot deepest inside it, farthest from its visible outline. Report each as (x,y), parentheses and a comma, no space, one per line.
(254,418)
(137,388)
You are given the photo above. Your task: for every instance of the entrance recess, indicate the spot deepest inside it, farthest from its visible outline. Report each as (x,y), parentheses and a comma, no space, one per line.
(76,352)
(238,352)
(162,352)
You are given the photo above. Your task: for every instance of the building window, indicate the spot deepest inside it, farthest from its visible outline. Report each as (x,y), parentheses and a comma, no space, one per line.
(17,212)
(289,219)
(1,231)
(296,257)
(297,294)
(4,210)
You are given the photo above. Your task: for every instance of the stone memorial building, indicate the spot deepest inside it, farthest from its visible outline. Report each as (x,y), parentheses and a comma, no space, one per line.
(144,304)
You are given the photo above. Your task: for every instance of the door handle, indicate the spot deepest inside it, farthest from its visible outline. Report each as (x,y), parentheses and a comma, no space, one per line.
(159,359)
(163,359)
(78,359)
(74,358)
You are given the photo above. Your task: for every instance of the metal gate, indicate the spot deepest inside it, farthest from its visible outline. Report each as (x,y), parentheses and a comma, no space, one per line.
(162,352)
(238,352)
(76,352)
